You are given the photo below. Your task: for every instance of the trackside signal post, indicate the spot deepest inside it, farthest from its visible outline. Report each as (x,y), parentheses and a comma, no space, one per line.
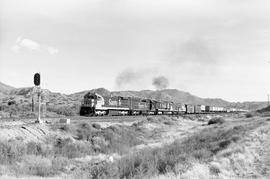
(37,84)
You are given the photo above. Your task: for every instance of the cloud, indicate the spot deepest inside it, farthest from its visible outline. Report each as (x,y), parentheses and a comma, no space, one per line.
(195,50)
(28,44)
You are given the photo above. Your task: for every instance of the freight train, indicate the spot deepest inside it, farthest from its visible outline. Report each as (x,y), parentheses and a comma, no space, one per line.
(94,104)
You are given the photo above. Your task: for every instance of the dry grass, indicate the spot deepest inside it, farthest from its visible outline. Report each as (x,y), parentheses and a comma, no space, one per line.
(178,157)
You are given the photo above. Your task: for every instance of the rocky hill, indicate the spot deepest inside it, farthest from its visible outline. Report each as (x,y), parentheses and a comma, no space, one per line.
(4,89)
(58,103)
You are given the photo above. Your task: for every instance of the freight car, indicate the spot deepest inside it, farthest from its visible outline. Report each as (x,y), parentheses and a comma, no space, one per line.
(203,109)
(189,108)
(197,109)
(209,109)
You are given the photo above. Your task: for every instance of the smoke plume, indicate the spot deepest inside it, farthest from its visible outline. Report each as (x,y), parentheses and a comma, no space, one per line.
(127,77)
(160,82)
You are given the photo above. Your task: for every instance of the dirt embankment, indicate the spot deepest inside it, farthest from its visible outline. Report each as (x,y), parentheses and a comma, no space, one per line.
(249,158)
(25,132)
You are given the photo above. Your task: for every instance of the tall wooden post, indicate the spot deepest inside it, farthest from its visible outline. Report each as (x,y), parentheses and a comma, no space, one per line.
(37,84)
(39,101)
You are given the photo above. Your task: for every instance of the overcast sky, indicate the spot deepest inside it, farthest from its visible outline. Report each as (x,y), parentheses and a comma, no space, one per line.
(210,48)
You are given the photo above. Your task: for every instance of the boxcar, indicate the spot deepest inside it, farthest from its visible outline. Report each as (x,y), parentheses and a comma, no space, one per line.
(181,108)
(163,107)
(209,108)
(189,108)
(174,108)
(197,109)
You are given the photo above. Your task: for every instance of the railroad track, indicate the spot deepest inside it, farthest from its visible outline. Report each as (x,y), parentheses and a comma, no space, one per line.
(125,118)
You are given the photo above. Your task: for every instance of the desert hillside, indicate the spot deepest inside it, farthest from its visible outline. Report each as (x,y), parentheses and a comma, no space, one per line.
(68,105)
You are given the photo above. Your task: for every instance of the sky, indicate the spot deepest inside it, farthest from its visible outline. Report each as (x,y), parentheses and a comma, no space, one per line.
(210,48)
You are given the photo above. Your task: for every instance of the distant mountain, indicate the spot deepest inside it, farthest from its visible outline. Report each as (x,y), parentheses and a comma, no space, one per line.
(5,88)
(61,103)
(263,110)
(167,95)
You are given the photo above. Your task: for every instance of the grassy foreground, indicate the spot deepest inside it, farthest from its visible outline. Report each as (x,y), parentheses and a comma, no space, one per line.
(58,156)
(177,157)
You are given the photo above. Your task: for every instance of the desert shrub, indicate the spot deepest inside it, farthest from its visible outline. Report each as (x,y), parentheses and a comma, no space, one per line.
(11,102)
(11,151)
(101,170)
(36,165)
(164,118)
(217,120)
(96,126)
(28,115)
(248,115)
(202,154)
(238,128)
(85,132)
(139,164)
(151,119)
(138,124)
(20,138)
(214,170)
(60,163)
(235,138)
(34,148)
(115,138)
(169,122)
(224,144)
(120,138)
(65,110)
(68,148)
(66,128)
